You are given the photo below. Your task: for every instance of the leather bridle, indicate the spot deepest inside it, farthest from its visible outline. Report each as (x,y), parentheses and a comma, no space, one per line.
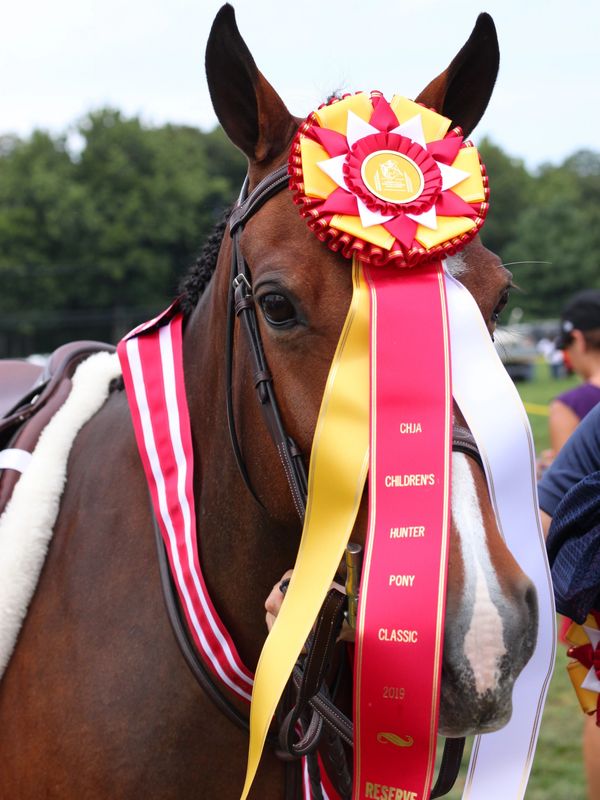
(241,304)
(312,700)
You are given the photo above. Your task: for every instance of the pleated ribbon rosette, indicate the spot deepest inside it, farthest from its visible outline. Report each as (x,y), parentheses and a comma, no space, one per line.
(394,187)
(584,670)
(387,182)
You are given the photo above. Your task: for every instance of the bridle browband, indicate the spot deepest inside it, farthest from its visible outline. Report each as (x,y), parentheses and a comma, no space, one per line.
(241,304)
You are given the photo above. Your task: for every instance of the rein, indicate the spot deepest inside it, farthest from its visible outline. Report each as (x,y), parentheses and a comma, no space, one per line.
(310,686)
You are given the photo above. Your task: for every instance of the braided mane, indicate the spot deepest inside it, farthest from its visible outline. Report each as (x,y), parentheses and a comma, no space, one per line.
(195,281)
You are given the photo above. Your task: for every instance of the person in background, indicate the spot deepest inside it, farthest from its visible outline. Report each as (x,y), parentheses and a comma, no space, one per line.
(579,339)
(562,469)
(553,357)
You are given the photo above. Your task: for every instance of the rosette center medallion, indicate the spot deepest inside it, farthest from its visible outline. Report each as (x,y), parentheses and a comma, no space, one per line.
(392,176)
(387,182)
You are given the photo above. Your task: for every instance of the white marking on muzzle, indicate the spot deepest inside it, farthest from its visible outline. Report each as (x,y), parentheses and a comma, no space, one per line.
(484,642)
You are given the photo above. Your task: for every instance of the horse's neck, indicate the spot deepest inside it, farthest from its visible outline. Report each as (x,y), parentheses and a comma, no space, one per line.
(243,552)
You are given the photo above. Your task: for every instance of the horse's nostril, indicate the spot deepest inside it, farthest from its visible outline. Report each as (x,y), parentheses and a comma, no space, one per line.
(531,601)
(526,631)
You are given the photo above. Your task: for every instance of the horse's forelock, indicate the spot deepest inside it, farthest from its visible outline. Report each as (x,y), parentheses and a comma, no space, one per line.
(195,281)
(455,265)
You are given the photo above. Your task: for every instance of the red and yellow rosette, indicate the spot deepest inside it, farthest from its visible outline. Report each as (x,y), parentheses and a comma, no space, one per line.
(584,670)
(387,182)
(391,186)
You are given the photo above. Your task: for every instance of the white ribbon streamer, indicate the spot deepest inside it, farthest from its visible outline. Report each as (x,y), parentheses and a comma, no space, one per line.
(501,761)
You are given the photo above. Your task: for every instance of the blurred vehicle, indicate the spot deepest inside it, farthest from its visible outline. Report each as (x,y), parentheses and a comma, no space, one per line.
(518,353)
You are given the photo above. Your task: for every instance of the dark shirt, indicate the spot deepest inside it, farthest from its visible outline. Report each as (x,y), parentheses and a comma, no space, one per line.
(579,457)
(581,399)
(570,493)
(574,549)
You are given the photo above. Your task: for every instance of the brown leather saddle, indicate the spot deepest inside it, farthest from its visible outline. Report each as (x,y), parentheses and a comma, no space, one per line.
(30,395)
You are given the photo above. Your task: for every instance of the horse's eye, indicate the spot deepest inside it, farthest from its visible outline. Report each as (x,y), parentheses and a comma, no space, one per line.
(501,305)
(278,310)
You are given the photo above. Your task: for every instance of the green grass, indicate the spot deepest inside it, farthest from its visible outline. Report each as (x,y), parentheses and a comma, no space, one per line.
(557,772)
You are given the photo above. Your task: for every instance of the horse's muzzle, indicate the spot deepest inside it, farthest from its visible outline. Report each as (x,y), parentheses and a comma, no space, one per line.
(466,708)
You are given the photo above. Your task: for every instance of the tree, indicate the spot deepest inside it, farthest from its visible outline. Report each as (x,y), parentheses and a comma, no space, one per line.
(39,202)
(152,199)
(112,225)
(116,223)
(561,226)
(510,194)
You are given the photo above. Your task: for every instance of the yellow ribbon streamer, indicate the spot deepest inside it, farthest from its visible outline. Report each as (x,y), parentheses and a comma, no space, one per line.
(338,469)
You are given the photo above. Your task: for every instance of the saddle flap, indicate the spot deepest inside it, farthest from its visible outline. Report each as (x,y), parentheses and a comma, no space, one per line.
(18,379)
(30,395)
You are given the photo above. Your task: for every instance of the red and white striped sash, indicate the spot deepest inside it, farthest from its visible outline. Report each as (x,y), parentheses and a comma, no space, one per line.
(152,361)
(151,357)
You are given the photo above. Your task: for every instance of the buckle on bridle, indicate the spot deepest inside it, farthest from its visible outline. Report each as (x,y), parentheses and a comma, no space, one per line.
(239,280)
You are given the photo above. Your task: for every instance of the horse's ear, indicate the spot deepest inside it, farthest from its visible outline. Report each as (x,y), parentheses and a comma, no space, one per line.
(463,91)
(249,109)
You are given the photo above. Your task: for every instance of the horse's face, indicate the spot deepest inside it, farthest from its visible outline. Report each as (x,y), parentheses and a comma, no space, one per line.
(491,611)
(303,292)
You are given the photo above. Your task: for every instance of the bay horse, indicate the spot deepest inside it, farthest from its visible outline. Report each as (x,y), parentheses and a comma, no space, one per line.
(97,701)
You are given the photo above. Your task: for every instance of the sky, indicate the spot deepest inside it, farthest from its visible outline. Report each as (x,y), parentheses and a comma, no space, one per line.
(62,58)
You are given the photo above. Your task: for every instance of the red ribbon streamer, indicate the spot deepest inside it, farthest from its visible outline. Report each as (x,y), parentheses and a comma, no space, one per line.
(400,632)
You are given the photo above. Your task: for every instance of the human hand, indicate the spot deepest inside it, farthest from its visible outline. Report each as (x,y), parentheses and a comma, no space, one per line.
(275,599)
(543,461)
